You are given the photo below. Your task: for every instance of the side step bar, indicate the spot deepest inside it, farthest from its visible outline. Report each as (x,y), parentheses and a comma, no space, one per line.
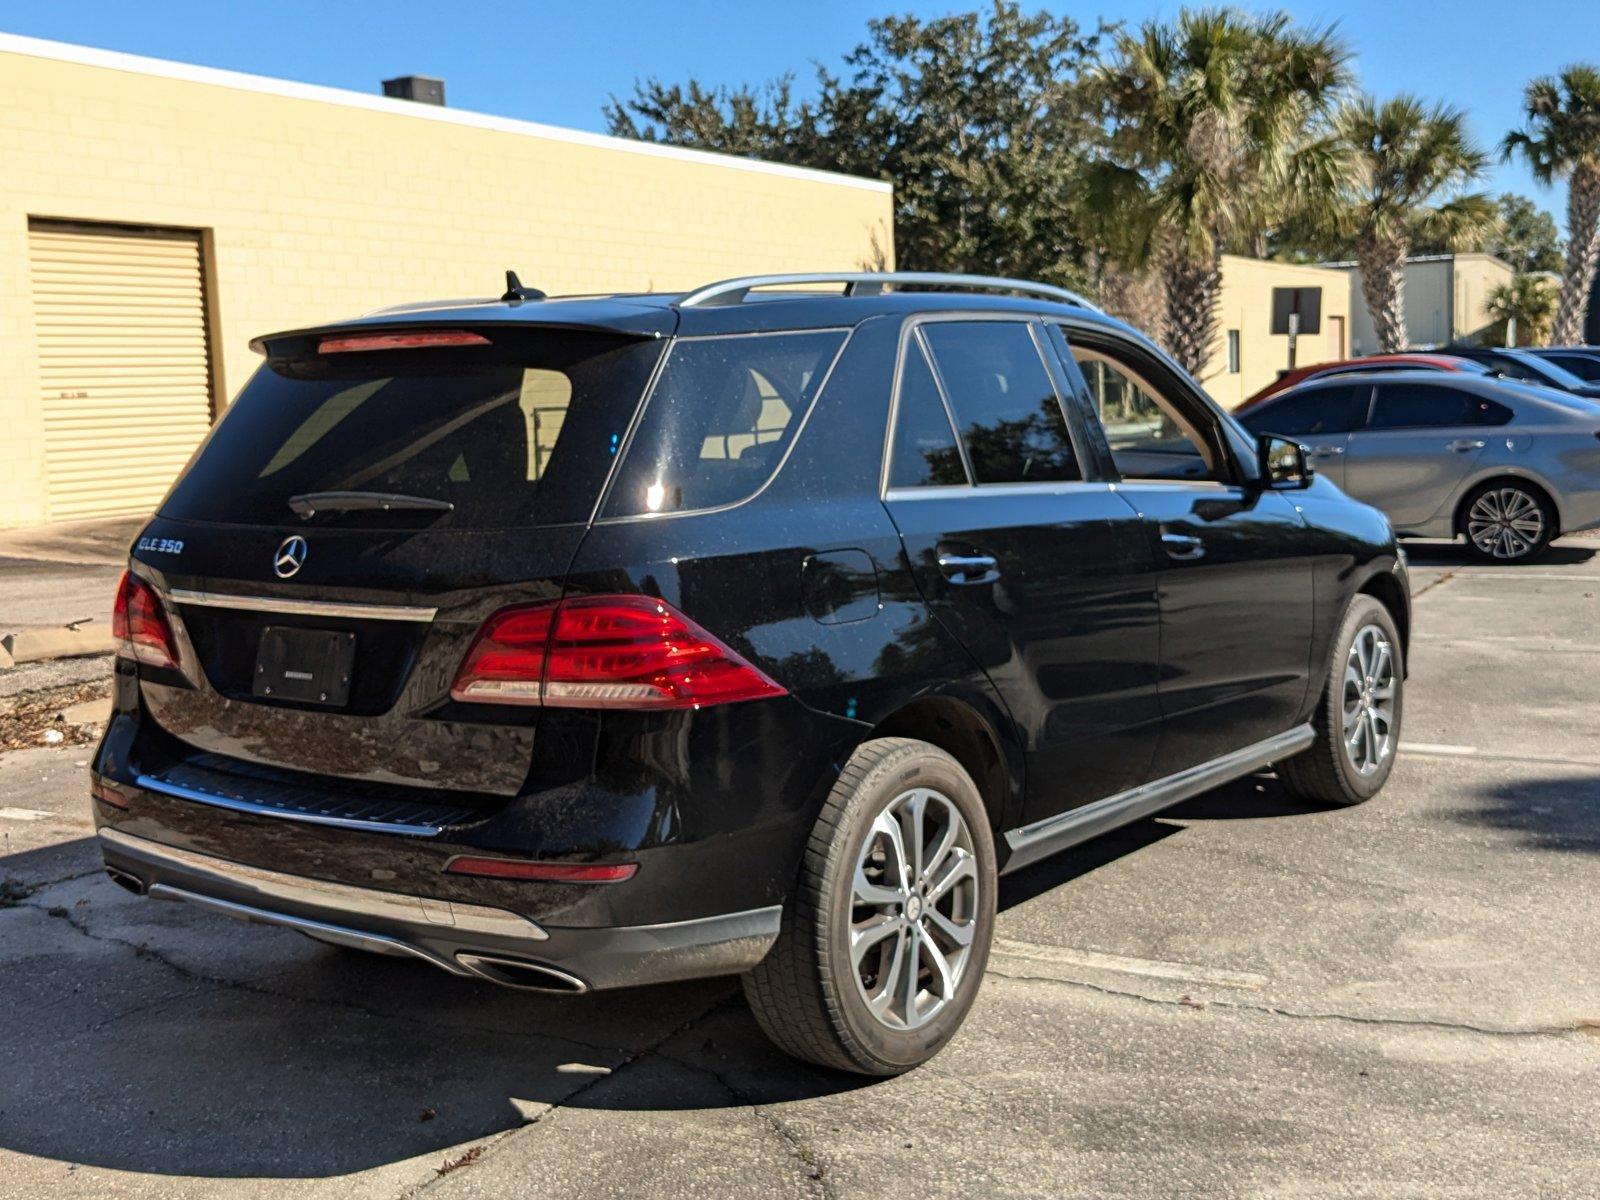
(1044,838)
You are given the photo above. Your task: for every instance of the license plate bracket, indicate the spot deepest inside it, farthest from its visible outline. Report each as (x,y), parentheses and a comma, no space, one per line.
(308,666)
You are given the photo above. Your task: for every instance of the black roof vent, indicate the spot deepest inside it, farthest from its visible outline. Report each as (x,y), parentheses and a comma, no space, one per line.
(424,89)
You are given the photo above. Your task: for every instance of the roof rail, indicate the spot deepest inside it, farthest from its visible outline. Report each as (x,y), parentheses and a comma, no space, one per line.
(873,283)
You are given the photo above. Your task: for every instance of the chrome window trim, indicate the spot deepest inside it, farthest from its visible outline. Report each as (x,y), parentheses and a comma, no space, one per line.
(309,608)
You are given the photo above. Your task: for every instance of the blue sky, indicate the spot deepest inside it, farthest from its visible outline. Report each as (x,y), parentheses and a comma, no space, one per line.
(558,63)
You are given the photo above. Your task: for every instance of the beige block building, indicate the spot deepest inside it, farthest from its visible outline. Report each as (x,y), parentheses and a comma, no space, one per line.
(1247,354)
(155,216)
(1447,300)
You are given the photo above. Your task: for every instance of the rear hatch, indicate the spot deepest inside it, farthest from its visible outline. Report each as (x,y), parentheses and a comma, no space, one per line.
(371,496)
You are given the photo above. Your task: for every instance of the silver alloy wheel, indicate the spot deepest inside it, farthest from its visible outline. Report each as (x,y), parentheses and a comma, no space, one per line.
(1505,522)
(913,909)
(1369,696)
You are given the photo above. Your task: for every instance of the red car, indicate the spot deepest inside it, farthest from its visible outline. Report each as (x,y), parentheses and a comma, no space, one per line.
(1372,362)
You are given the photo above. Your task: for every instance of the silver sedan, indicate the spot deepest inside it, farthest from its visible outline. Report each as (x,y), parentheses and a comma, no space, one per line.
(1509,466)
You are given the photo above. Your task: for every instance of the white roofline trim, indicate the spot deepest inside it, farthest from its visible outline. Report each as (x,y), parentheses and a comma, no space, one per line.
(115,60)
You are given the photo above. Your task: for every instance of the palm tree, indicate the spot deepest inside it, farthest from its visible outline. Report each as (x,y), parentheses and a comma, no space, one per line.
(1560,139)
(1525,305)
(1405,166)
(1208,117)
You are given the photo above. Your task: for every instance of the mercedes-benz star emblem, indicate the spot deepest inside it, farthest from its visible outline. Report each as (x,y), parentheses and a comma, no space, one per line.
(291,556)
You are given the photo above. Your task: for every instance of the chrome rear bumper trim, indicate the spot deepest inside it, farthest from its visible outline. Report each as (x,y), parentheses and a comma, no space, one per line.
(258,894)
(310,608)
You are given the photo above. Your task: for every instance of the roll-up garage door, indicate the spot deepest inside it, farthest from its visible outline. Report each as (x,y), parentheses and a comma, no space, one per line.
(123,362)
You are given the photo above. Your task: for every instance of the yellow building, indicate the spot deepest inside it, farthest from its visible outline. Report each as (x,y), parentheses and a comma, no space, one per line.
(1252,348)
(156,216)
(1446,300)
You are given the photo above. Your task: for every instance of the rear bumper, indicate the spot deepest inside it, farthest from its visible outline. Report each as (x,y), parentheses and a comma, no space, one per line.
(463,939)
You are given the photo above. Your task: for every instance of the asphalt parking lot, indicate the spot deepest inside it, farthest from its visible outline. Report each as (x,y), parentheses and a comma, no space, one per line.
(1245,997)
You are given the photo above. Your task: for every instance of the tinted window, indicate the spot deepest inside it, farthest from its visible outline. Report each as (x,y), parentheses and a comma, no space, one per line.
(1421,406)
(719,420)
(1148,437)
(1581,365)
(1302,414)
(1005,406)
(924,450)
(520,432)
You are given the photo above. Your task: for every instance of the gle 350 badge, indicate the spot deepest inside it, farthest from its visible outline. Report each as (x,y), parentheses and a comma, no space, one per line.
(156,545)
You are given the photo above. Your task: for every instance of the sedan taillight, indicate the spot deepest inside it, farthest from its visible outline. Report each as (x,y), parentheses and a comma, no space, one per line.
(139,623)
(630,652)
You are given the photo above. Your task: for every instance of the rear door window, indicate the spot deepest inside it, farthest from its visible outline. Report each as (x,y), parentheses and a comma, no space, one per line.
(1426,406)
(1004,403)
(1306,414)
(719,420)
(924,452)
(516,433)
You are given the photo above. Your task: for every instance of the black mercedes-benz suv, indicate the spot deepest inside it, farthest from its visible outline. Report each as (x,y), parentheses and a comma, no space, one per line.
(585,642)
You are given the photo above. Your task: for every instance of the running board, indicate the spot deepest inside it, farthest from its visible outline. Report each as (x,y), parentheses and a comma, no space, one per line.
(1043,838)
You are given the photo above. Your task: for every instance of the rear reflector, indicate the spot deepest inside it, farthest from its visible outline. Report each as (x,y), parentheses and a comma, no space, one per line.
(107,794)
(139,623)
(401,341)
(547,872)
(630,652)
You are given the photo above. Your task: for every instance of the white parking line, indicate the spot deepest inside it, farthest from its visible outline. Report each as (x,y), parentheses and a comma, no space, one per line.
(1445,750)
(1521,575)
(23,814)
(1151,968)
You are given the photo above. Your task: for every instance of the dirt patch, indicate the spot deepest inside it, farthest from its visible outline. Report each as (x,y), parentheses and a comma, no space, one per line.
(41,718)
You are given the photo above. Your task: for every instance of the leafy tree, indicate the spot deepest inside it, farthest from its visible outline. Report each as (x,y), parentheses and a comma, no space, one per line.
(1405,167)
(1213,123)
(981,121)
(1530,302)
(1528,238)
(1560,139)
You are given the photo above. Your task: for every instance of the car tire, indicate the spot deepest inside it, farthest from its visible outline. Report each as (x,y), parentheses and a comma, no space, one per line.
(887,1008)
(1357,718)
(1507,521)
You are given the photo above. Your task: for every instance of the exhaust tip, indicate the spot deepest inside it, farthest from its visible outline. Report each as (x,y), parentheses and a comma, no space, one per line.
(516,973)
(127,880)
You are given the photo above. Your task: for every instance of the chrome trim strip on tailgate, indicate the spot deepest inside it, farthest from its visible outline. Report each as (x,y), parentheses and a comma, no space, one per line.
(1043,838)
(309,608)
(151,784)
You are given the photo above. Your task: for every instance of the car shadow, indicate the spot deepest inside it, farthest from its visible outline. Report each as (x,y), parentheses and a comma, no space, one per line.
(148,1037)
(1558,813)
(1564,552)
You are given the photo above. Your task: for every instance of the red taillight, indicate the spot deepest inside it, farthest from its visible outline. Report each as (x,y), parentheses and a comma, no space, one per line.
(604,652)
(139,622)
(546,872)
(401,341)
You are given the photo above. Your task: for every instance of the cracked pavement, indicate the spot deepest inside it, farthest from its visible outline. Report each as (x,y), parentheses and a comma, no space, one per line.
(1244,997)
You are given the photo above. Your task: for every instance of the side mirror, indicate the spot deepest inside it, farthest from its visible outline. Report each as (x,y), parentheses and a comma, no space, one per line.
(1284,465)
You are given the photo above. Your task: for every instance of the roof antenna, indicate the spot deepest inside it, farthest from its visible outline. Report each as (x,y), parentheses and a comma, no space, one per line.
(516,293)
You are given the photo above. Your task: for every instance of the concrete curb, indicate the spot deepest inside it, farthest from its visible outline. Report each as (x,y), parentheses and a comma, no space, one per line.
(68,641)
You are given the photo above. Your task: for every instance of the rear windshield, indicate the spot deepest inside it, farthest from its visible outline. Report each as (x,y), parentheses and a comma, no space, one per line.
(518,433)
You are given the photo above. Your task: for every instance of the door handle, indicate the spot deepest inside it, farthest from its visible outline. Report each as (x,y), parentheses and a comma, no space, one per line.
(969,568)
(1462,445)
(1326,451)
(1182,546)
